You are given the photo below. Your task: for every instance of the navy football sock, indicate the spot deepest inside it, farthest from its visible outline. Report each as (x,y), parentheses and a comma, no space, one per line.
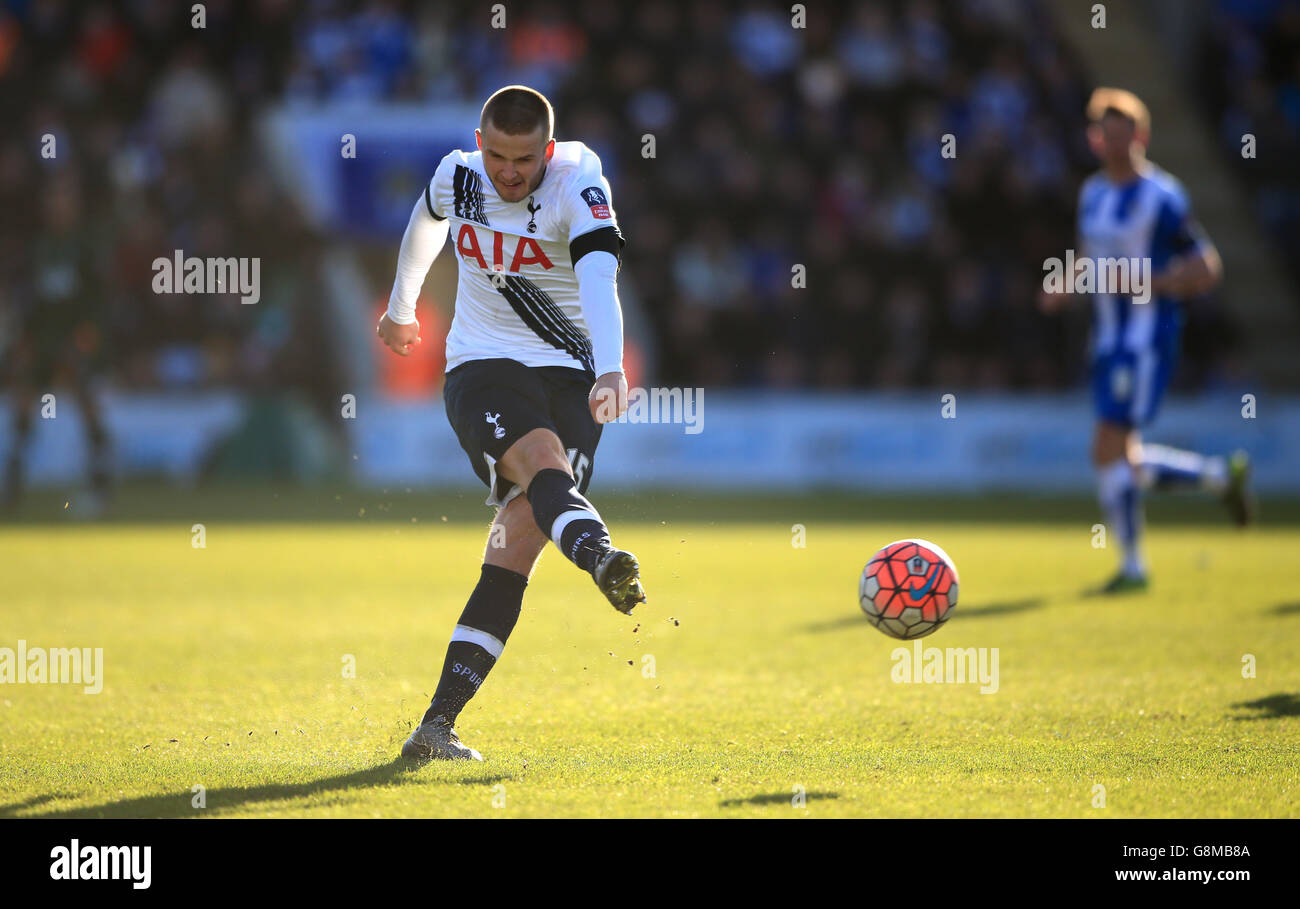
(477,642)
(568,518)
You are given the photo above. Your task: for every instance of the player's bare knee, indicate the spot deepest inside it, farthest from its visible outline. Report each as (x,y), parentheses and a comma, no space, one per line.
(1111,443)
(1099,456)
(537,450)
(513,557)
(518,516)
(520,523)
(1133,448)
(515,542)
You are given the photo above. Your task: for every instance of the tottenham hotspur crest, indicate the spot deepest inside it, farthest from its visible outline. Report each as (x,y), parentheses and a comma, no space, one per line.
(499,431)
(533,209)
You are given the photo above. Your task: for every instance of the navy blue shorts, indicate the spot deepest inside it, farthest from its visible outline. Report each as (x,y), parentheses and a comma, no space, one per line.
(1128,385)
(493,403)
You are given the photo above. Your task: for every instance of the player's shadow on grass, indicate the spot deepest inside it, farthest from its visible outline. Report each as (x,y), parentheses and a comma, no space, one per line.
(1273,707)
(963,613)
(1286,609)
(178,804)
(779,798)
(12,810)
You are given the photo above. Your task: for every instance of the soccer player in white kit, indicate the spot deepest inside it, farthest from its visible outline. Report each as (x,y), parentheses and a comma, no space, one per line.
(534,368)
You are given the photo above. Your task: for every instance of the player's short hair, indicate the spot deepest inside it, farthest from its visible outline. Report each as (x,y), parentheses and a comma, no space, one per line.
(518,110)
(1118,101)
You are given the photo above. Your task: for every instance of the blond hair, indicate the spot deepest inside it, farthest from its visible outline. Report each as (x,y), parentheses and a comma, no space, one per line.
(1122,102)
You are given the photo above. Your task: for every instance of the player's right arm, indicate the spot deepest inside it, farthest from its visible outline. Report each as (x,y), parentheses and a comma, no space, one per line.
(1053,302)
(425,235)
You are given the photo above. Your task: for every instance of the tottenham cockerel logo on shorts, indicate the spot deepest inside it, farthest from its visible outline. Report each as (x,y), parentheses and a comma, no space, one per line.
(499,432)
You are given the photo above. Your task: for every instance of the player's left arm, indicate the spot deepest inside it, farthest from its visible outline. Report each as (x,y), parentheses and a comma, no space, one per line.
(597,273)
(1195,267)
(595,248)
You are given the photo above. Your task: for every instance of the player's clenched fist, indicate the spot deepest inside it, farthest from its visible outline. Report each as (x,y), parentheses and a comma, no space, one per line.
(401,339)
(608,398)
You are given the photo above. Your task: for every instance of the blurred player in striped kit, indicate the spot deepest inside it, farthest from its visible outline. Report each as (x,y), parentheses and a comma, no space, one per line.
(1131,209)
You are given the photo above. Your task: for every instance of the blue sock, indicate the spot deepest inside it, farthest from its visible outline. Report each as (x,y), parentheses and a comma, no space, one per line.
(1163,468)
(1121,503)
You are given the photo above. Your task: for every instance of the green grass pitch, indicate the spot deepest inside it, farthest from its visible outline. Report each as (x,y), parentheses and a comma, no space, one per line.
(750,685)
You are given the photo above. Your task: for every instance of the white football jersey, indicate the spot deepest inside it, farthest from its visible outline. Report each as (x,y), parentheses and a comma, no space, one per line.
(517,294)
